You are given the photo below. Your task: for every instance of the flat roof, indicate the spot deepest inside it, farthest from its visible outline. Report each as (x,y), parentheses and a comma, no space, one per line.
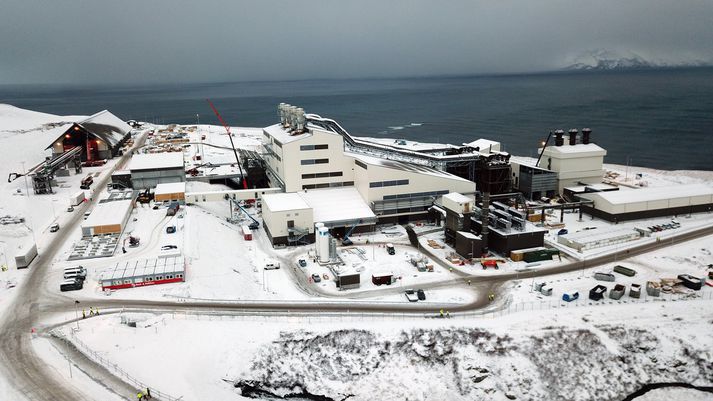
(457,197)
(170,188)
(151,161)
(108,213)
(468,234)
(598,235)
(144,267)
(578,148)
(403,166)
(283,202)
(276,131)
(631,195)
(337,204)
(484,145)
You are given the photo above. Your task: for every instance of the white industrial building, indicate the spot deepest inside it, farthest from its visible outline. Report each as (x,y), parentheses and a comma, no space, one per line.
(584,240)
(574,163)
(287,218)
(151,169)
(641,203)
(107,218)
(174,191)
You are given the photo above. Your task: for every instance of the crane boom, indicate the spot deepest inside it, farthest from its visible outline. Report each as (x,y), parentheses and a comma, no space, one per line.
(232,145)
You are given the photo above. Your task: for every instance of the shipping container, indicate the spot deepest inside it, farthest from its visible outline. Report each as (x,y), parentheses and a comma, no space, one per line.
(653,288)
(597,293)
(348,281)
(604,276)
(77,198)
(382,278)
(635,291)
(540,255)
(624,270)
(617,292)
(26,255)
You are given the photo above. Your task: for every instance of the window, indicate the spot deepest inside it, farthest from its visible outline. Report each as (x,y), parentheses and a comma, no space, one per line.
(336,174)
(307,162)
(335,184)
(348,183)
(314,147)
(310,186)
(322,185)
(360,164)
(307,176)
(321,161)
(278,143)
(377,184)
(322,175)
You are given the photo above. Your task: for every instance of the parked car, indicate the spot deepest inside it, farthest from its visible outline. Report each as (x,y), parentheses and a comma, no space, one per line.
(390,249)
(54,228)
(72,272)
(562,232)
(421,295)
(167,247)
(411,295)
(71,285)
(316,278)
(170,229)
(302,263)
(272,265)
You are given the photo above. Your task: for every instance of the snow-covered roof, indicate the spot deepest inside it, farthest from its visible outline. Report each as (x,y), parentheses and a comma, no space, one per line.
(144,267)
(170,188)
(625,195)
(276,131)
(284,201)
(154,161)
(406,144)
(588,236)
(108,213)
(468,235)
(578,148)
(457,197)
(337,204)
(403,166)
(108,127)
(484,145)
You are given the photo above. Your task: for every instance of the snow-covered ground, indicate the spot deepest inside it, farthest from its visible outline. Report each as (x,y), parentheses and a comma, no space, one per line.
(601,353)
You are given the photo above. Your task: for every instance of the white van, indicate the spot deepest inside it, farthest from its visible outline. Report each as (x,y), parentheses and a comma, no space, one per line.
(75,272)
(272,265)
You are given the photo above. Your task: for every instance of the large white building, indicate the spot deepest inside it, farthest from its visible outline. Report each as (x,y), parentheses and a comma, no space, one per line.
(573,162)
(313,161)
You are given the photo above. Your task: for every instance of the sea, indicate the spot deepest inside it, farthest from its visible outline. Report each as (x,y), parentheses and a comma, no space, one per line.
(651,118)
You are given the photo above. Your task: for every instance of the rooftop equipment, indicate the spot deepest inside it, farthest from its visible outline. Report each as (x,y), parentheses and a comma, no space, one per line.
(573,136)
(559,137)
(585,135)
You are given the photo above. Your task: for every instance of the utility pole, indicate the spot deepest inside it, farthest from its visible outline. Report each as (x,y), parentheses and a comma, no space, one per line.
(76,312)
(24,173)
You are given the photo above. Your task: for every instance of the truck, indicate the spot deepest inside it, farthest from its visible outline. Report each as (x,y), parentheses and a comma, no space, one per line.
(390,249)
(77,198)
(87,182)
(172,209)
(247,233)
(617,292)
(26,255)
(383,278)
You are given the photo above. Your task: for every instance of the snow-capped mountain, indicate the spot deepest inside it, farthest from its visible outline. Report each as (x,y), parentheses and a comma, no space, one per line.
(603,59)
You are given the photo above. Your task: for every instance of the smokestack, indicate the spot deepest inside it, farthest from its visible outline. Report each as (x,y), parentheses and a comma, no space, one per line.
(559,137)
(573,136)
(585,135)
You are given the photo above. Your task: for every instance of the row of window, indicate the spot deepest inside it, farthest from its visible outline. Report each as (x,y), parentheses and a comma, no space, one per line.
(329,185)
(360,164)
(322,175)
(314,161)
(379,184)
(416,195)
(314,147)
(147,279)
(404,210)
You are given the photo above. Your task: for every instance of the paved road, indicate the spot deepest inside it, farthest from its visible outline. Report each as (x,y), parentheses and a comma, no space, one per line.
(30,374)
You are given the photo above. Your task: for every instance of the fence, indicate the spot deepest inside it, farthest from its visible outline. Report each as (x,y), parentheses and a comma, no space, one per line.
(112,367)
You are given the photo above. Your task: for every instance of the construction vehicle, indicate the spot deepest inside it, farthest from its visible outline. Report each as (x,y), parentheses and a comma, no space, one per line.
(489,263)
(134,241)
(254,225)
(145,197)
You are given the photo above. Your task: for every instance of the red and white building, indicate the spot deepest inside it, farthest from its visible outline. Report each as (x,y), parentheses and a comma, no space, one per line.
(140,273)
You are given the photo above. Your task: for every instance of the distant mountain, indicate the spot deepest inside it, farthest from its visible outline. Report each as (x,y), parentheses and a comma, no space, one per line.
(607,60)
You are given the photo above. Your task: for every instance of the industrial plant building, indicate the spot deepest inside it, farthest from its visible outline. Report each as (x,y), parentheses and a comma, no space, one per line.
(107,218)
(100,136)
(150,169)
(175,191)
(643,203)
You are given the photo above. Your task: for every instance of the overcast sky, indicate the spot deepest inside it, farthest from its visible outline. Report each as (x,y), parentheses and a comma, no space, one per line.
(137,41)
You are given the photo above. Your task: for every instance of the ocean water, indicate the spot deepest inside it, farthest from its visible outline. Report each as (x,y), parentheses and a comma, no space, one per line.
(654,118)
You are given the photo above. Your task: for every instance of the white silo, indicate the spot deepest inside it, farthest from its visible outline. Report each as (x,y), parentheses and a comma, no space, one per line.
(323,243)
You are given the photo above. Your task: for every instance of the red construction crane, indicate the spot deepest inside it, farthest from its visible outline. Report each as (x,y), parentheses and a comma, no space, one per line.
(230,136)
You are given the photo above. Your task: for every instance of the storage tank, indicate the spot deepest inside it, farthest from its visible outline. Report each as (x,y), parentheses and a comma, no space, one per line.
(323,244)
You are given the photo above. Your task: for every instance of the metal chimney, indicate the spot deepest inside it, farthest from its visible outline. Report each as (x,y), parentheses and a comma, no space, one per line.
(559,137)
(573,136)
(585,135)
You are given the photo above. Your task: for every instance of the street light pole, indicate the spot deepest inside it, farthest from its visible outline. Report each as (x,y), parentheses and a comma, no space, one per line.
(76,312)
